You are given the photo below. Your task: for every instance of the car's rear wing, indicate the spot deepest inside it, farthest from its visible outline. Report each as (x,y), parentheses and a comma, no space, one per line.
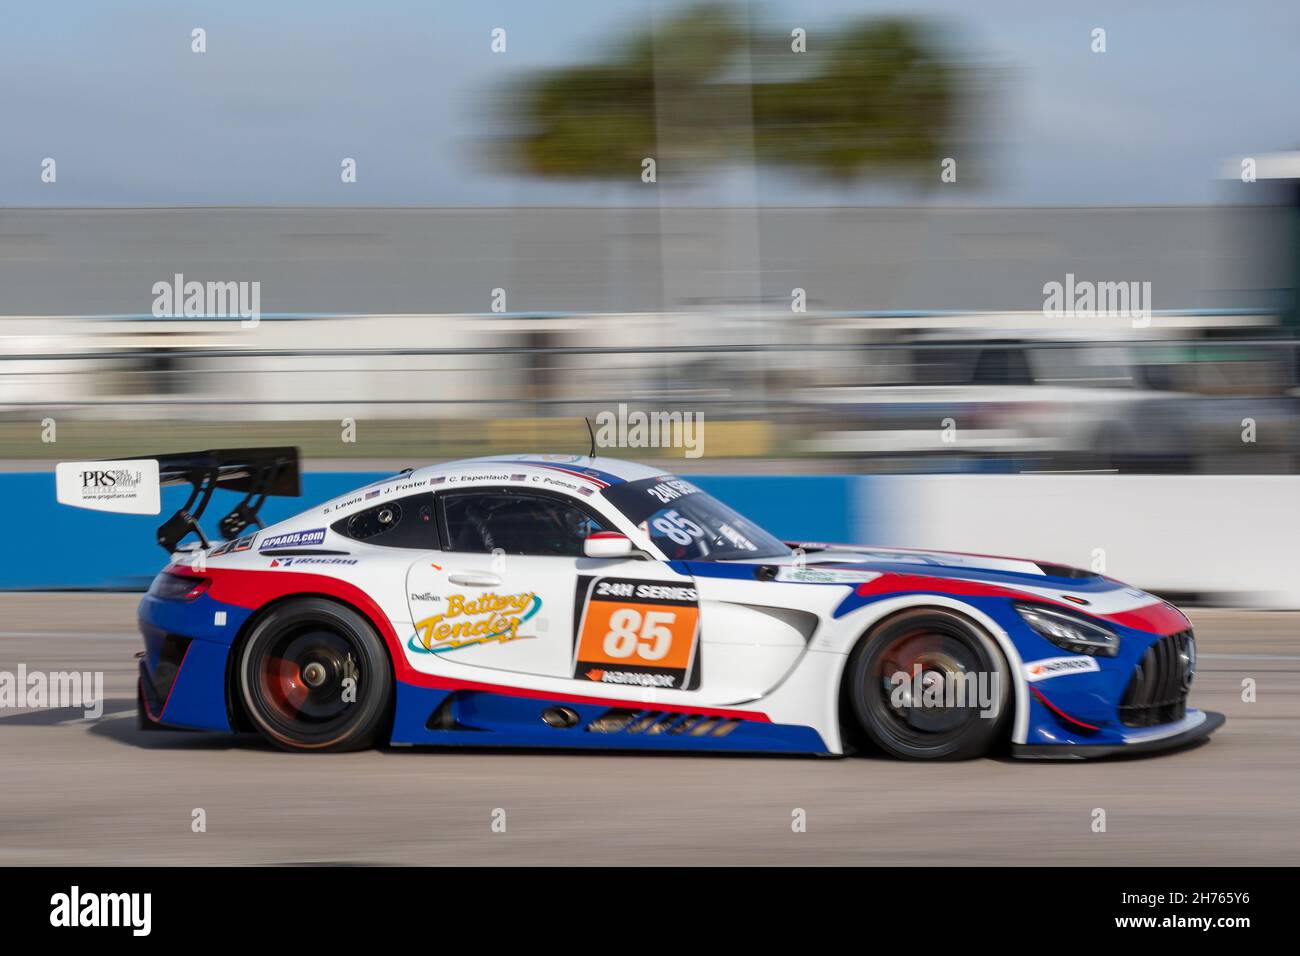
(132,486)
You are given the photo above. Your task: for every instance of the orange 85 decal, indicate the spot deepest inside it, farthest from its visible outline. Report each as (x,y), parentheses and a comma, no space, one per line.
(639,633)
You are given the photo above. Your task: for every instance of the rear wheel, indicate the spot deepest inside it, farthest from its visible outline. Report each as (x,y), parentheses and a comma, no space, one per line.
(930,685)
(314,675)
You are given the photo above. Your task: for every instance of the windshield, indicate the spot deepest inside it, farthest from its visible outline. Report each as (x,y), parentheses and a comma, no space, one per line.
(687,524)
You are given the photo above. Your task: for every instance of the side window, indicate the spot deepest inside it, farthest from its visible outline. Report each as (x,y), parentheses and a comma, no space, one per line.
(517,523)
(404,523)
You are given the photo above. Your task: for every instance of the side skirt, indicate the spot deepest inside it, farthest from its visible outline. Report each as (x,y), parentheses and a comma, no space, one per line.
(474,718)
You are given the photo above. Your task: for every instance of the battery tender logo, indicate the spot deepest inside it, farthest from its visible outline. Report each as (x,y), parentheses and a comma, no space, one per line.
(293,539)
(471,621)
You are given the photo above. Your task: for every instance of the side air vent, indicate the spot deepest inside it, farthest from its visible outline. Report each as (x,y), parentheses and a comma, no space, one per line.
(444,718)
(560,718)
(653,722)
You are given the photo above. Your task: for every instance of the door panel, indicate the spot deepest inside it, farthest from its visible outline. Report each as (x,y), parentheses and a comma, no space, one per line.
(504,612)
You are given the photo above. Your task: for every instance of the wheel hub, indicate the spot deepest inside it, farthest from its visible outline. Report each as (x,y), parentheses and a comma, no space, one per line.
(314,674)
(924,696)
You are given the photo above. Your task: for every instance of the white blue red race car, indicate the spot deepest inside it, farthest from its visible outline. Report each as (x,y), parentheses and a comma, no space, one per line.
(582,602)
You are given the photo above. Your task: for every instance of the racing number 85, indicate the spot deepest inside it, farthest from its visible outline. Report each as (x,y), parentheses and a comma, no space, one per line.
(677,528)
(653,630)
(648,636)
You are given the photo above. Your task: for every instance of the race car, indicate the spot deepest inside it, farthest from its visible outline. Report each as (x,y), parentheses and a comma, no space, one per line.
(585,602)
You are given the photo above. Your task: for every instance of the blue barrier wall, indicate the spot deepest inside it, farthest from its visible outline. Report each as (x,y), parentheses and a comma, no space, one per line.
(797,508)
(51,546)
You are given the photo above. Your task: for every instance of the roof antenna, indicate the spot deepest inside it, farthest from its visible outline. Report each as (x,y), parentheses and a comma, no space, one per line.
(592,453)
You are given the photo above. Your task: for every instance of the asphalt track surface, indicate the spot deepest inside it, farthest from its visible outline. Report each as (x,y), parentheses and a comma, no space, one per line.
(80,791)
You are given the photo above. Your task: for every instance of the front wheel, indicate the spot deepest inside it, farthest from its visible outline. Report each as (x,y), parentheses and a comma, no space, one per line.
(314,675)
(930,685)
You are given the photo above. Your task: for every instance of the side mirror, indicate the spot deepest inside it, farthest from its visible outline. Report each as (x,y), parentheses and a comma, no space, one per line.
(607,544)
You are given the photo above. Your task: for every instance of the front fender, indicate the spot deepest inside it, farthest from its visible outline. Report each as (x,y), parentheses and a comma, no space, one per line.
(860,621)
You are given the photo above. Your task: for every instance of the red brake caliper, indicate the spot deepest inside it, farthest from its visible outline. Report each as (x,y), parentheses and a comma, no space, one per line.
(285,684)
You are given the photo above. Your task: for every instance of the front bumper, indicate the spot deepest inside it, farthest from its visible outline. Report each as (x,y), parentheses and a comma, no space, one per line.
(1196,726)
(1134,702)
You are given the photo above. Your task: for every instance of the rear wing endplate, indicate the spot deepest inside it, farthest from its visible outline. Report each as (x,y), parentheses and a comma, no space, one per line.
(132,486)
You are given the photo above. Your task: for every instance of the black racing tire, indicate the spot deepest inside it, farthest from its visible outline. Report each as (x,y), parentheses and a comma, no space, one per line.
(937,649)
(292,675)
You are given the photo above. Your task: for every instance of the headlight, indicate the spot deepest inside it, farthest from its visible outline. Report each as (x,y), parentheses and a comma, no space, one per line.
(1070,632)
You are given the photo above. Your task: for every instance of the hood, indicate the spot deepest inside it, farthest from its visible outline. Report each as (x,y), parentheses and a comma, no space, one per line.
(914,561)
(876,572)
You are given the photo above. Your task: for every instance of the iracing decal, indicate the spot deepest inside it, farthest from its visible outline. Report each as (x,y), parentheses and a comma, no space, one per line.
(289,562)
(473,621)
(642,633)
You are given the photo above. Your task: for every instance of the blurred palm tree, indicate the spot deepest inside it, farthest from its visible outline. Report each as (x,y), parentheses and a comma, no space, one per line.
(657,97)
(881,98)
(878,96)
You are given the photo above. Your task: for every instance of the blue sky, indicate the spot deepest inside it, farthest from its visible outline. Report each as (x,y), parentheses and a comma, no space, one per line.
(287,89)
